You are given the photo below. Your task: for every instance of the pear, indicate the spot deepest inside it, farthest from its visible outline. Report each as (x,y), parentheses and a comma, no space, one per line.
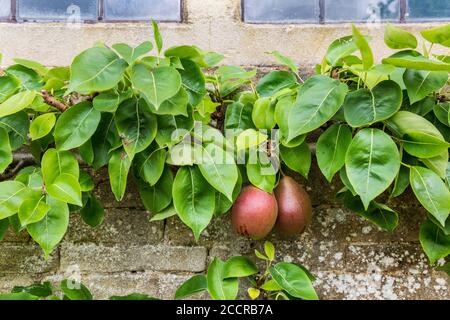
(254,213)
(294,207)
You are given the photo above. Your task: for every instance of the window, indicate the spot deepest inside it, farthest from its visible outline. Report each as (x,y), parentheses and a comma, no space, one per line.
(90,10)
(332,11)
(428,10)
(5,9)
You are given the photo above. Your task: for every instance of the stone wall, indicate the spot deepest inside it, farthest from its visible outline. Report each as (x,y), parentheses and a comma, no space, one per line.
(351,258)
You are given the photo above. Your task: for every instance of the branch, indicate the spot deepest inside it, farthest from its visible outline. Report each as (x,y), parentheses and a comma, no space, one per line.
(52,101)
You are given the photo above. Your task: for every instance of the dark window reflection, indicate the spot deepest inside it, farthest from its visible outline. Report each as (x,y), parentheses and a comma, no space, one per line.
(70,10)
(163,10)
(281,11)
(428,9)
(362,10)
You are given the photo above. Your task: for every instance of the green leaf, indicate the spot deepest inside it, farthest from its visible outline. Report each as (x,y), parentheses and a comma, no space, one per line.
(274,82)
(424,145)
(442,113)
(250,138)
(372,163)
(269,250)
(223,205)
(109,101)
(158,197)
(411,59)
(340,49)
(285,61)
(379,214)
(8,86)
(157,85)
(193,198)
(294,280)
(261,173)
(193,81)
(253,293)
(239,267)
(11,198)
(192,286)
(6,157)
(95,70)
(432,193)
(49,231)
(219,169)
(34,65)
(445,268)
(271,285)
(401,182)
(75,290)
(29,79)
(218,287)
(172,129)
(363,46)
(397,38)
(297,158)
(365,107)
(118,168)
(150,164)
(66,188)
(434,242)
(42,125)
(439,35)
(422,83)
(4,224)
(137,126)
(42,290)
(17,296)
(33,210)
(438,164)
(106,138)
(17,125)
(75,126)
(157,36)
(92,213)
(129,54)
(239,116)
(56,163)
(331,149)
(17,103)
(318,100)
(165,214)
(175,106)
(263,113)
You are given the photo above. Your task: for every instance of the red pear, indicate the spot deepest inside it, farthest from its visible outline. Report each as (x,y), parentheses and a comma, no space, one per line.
(254,213)
(294,207)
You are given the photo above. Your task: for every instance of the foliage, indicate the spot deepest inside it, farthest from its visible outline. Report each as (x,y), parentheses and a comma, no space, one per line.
(279,281)
(66,290)
(190,136)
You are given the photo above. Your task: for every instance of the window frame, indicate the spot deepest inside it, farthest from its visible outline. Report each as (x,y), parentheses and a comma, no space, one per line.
(101,18)
(403,16)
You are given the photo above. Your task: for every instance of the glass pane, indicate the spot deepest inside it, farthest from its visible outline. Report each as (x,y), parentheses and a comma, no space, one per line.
(5,9)
(273,11)
(70,10)
(162,10)
(428,10)
(362,10)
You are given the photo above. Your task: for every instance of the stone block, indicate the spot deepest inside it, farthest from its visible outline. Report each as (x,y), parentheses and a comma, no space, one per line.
(118,258)
(120,226)
(26,259)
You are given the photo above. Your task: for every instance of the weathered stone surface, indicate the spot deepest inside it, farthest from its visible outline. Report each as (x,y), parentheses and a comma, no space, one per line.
(120,226)
(103,192)
(11,236)
(386,258)
(421,285)
(117,258)
(25,259)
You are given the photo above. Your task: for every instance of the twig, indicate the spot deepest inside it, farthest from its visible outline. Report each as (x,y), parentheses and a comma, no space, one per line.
(11,173)
(52,101)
